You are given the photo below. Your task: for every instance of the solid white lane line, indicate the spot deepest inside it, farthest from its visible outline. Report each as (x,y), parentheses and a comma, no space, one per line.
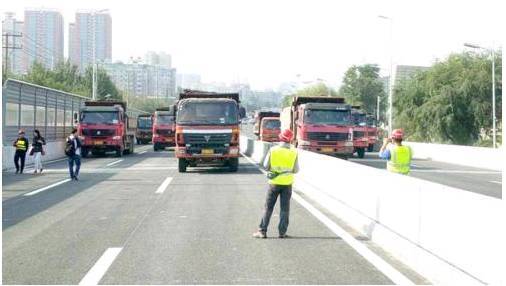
(142,152)
(500,183)
(114,163)
(455,171)
(380,264)
(164,185)
(46,188)
(98,270)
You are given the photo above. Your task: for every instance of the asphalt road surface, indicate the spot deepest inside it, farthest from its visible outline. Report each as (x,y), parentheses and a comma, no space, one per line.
(476,180)
(136,220)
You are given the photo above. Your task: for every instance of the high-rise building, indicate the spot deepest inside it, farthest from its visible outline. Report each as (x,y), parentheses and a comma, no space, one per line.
(12,31)
(42,37)
(91,31)
(160,59)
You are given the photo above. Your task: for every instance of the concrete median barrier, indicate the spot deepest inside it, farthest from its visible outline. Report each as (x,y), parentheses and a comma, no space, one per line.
(53,151)
(480,157)
(447,235)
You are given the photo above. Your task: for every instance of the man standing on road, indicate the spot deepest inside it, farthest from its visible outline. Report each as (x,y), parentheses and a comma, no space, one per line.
(21,145)
(398,155)
(281,163)
(73,152)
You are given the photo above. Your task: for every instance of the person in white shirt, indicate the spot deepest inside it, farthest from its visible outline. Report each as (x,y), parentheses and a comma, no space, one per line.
(73,152)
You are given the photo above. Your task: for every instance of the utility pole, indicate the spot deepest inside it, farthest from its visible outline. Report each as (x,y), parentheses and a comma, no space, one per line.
(7,47)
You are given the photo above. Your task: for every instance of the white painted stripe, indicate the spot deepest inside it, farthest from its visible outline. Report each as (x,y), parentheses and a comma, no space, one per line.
(454,171)
(47,187)
(387,269)
(207,131)
(497,182)
(164,185)
(111,170)
(100,268)
(114,163)
(142,152)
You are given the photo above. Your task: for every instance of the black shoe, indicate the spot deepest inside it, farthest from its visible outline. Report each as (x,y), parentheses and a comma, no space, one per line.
(17,171)
(284,236)
(75,178)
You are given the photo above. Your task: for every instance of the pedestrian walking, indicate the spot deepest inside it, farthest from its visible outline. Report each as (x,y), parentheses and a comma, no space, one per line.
(37,151)
(281,163)
(398,155)
(21,144)
(73,152)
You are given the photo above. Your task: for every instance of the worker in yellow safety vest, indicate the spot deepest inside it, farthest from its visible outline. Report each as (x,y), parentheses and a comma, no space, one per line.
(398,155)
(21,146)
(281,163)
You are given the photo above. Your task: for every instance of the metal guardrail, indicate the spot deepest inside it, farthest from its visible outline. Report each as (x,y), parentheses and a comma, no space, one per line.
(30,106)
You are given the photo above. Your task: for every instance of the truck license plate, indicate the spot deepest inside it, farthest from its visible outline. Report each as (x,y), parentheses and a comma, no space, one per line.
(327,149)
(98,142)
(207,151)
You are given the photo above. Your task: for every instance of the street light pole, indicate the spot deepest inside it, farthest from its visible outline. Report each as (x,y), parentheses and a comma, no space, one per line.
(390,78)
(94,53)
(491,50)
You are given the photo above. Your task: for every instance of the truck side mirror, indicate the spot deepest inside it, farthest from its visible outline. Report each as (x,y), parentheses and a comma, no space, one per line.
(75,117)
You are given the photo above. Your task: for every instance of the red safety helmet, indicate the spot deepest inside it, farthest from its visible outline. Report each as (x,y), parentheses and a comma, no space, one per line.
(397,134)
(286,135)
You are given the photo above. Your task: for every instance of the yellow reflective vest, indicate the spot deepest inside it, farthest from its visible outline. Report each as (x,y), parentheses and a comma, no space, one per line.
(400,160)
(21,144)
(282,160)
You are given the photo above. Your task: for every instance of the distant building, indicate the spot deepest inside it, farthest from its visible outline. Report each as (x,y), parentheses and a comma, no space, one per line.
(91,31)
(160,59)
(143,80)
(13,30)
(42,37)
(189,81)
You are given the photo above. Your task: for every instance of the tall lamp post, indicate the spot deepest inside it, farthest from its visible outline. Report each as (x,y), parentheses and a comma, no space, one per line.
(491,50)
(94,53)
(390,78)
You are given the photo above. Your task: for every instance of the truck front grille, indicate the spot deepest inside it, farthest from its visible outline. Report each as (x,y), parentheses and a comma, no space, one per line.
(164,131)
(207,139)
(327,136)
(98,132)
(358,134)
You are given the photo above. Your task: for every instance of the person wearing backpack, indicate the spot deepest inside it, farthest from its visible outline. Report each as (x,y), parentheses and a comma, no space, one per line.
(73,152)
(37,151)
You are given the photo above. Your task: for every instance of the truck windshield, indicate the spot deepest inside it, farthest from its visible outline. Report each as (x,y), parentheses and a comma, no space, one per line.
(164,119)
(371,122)
(144,122)
(214,113)
(99,117)
(327,116)
(272,124)
(359,119)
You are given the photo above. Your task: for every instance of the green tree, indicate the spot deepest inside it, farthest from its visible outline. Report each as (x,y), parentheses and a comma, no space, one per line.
(105,86)
(450,102)
(319,89)
(362,86)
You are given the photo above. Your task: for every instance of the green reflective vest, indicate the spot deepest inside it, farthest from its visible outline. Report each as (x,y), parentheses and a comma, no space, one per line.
(282,161)
(400,160)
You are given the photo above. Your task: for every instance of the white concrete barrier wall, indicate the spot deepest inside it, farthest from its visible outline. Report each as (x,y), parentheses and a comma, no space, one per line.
(446,234)
(480,157)
(53,151)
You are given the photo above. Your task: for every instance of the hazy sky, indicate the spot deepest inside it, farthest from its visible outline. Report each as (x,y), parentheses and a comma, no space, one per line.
(269,42)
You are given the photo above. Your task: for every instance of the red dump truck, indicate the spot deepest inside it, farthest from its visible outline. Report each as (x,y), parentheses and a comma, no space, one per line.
(144,132)
(207,129)
(360,137)
(270,127)
(105,126)
(320,124)
(266,132)
(164,128)
(372,132)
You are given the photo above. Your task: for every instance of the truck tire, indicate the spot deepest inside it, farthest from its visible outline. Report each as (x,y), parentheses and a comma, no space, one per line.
(155,147)
(370,148)
(361,152)
(119,152)
(233,164)
(182,164)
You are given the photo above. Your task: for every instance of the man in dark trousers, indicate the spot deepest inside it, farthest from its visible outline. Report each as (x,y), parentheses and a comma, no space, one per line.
(281,163)
(21,144)
(73,152)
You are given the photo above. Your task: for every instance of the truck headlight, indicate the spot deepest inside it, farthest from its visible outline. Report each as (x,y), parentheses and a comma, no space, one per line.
(117,137)
(304,142)
(233,151)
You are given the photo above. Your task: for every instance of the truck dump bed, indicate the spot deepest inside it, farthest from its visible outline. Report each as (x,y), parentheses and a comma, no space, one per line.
(205,94)
(298,100)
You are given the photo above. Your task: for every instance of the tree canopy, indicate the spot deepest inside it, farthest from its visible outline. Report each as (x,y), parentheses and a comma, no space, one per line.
(319,89)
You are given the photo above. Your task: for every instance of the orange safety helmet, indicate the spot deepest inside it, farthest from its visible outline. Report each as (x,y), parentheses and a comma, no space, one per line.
(397,134)
(286,135)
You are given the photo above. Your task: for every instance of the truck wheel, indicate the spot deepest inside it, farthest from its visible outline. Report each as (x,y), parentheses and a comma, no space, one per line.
(361,152)
(119,152)
(370,148)
(155,147)
(233,164)
(182,164)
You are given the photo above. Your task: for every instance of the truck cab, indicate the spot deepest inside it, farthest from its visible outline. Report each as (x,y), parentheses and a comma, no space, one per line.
(104,126)
(144,131)
(320,124)
(258,117)
(207,130)
(270,128)
(372,132)
(164,128)
(360,131)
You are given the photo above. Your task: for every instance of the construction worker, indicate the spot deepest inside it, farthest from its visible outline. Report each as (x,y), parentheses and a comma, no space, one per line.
(398,155)
(281,163)
(21,144)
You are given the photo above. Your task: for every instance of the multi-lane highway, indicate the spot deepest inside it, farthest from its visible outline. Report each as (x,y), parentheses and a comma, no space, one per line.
(136,220)
(477,180)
